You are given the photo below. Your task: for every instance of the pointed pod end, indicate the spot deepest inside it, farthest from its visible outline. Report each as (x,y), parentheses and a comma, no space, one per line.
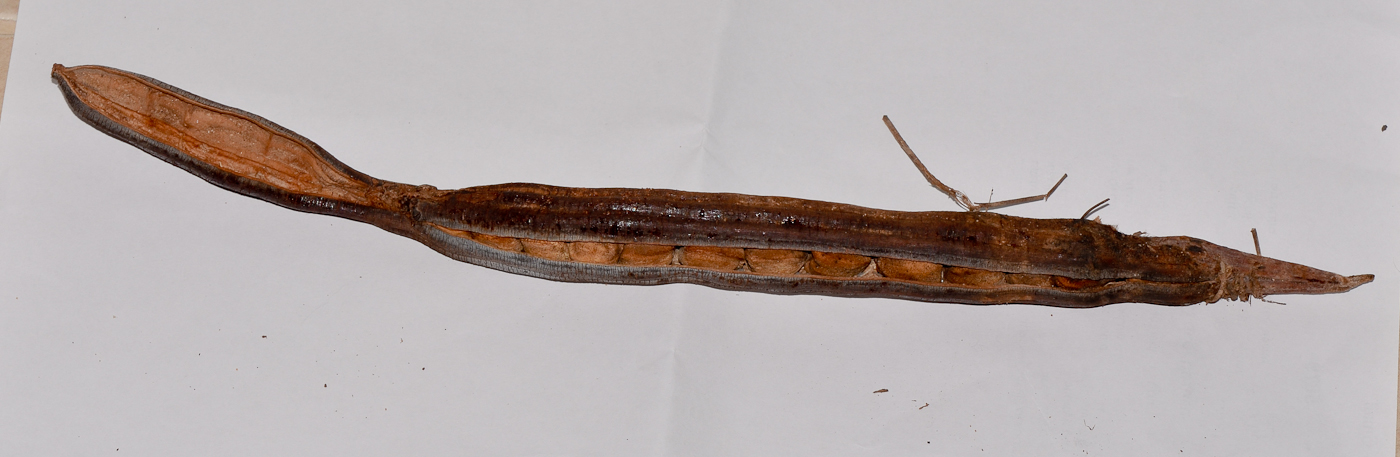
(1249,275)
(1278,277)
(58,72)
(1357,280)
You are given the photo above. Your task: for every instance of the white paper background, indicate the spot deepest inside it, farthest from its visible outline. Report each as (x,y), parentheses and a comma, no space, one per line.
(136,296)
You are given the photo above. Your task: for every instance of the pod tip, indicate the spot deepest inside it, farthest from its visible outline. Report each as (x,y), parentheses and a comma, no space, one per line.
(1360,279)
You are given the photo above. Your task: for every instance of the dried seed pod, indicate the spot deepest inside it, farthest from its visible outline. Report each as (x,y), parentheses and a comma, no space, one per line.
(597,235)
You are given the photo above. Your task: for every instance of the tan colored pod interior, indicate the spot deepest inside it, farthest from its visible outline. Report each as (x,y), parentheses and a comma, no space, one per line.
(552,250)
(784,262)
(912,270)
(647,254)
(775,261)
(973,276)
(712,257)
(499,242)
(595,252)
(834,264)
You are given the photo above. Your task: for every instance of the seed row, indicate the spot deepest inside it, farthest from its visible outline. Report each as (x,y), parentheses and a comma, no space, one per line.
(770,262)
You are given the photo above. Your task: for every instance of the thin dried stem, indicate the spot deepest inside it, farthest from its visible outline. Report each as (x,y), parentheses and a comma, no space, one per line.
(954,194)
(1094,209)
(957,196)
(1037,198)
